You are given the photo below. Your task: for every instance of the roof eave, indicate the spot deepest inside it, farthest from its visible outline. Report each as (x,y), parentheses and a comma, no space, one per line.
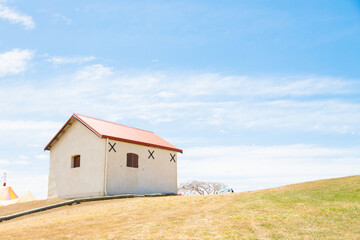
(48,146)
(143,143)
(53,139)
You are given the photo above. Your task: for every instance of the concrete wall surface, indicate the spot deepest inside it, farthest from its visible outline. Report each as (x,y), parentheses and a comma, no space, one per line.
(157,175)
(86,180)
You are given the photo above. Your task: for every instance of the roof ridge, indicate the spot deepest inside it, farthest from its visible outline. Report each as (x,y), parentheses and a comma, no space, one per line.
(76,114)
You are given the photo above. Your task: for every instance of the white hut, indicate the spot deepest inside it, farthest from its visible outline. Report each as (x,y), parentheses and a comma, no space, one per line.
(93,157)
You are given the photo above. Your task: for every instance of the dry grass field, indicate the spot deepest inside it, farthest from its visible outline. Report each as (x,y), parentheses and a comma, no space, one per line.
(327,209)
(20,207)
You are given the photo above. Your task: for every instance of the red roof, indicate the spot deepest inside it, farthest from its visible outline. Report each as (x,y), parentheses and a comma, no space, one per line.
(115,131)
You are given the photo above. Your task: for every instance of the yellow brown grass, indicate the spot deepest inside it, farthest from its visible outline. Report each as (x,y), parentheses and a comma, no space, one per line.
(20,207)
(328,209)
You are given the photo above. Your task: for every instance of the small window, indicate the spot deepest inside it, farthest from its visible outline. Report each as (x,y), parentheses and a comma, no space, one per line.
(75,163)
(132,160)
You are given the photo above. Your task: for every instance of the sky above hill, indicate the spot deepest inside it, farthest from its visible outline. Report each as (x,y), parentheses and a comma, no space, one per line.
(257,93)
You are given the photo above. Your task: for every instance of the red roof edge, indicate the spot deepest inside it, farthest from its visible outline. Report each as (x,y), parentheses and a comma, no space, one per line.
(48,145)
(143,143)
(77,118)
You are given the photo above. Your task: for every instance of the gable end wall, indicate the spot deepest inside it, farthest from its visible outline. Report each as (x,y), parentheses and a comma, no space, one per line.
(88,179)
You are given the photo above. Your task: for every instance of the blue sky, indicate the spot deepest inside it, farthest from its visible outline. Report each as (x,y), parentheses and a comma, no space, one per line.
(257,93)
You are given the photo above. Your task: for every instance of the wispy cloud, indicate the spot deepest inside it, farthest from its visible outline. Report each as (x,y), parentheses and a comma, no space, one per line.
(265,87)
(60,17)
(21,162)
(293,103)
(16,162)
(253,167)
(42,156)
(315,115)
(15,17)
(15,61)
(95,73)
(70,60)
(4,162)
(7,125)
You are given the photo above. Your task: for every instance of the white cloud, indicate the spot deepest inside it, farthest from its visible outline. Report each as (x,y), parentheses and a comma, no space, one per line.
(21,162)
(42,156)
(316,115)
(96,72)
(229,103)
(16,17)
(267,166)
(70,60)
(14,61)
(32,145)
(4,162)
(244,86)
(7,125)
(166,94)
(58,16)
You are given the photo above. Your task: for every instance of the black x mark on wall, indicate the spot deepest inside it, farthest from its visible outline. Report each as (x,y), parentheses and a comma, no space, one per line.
(151,154)
(112,147)
(172,157)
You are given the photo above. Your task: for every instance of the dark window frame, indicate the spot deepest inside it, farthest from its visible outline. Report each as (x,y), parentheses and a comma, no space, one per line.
(75,161)
(132,160)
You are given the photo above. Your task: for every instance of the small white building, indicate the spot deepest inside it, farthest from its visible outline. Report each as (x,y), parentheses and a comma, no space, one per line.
(92,157)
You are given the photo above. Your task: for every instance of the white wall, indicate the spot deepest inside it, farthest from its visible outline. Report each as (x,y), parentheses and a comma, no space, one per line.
(88,179)
(157,175)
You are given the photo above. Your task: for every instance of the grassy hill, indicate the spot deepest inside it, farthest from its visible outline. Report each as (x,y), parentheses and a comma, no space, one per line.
(326,209)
